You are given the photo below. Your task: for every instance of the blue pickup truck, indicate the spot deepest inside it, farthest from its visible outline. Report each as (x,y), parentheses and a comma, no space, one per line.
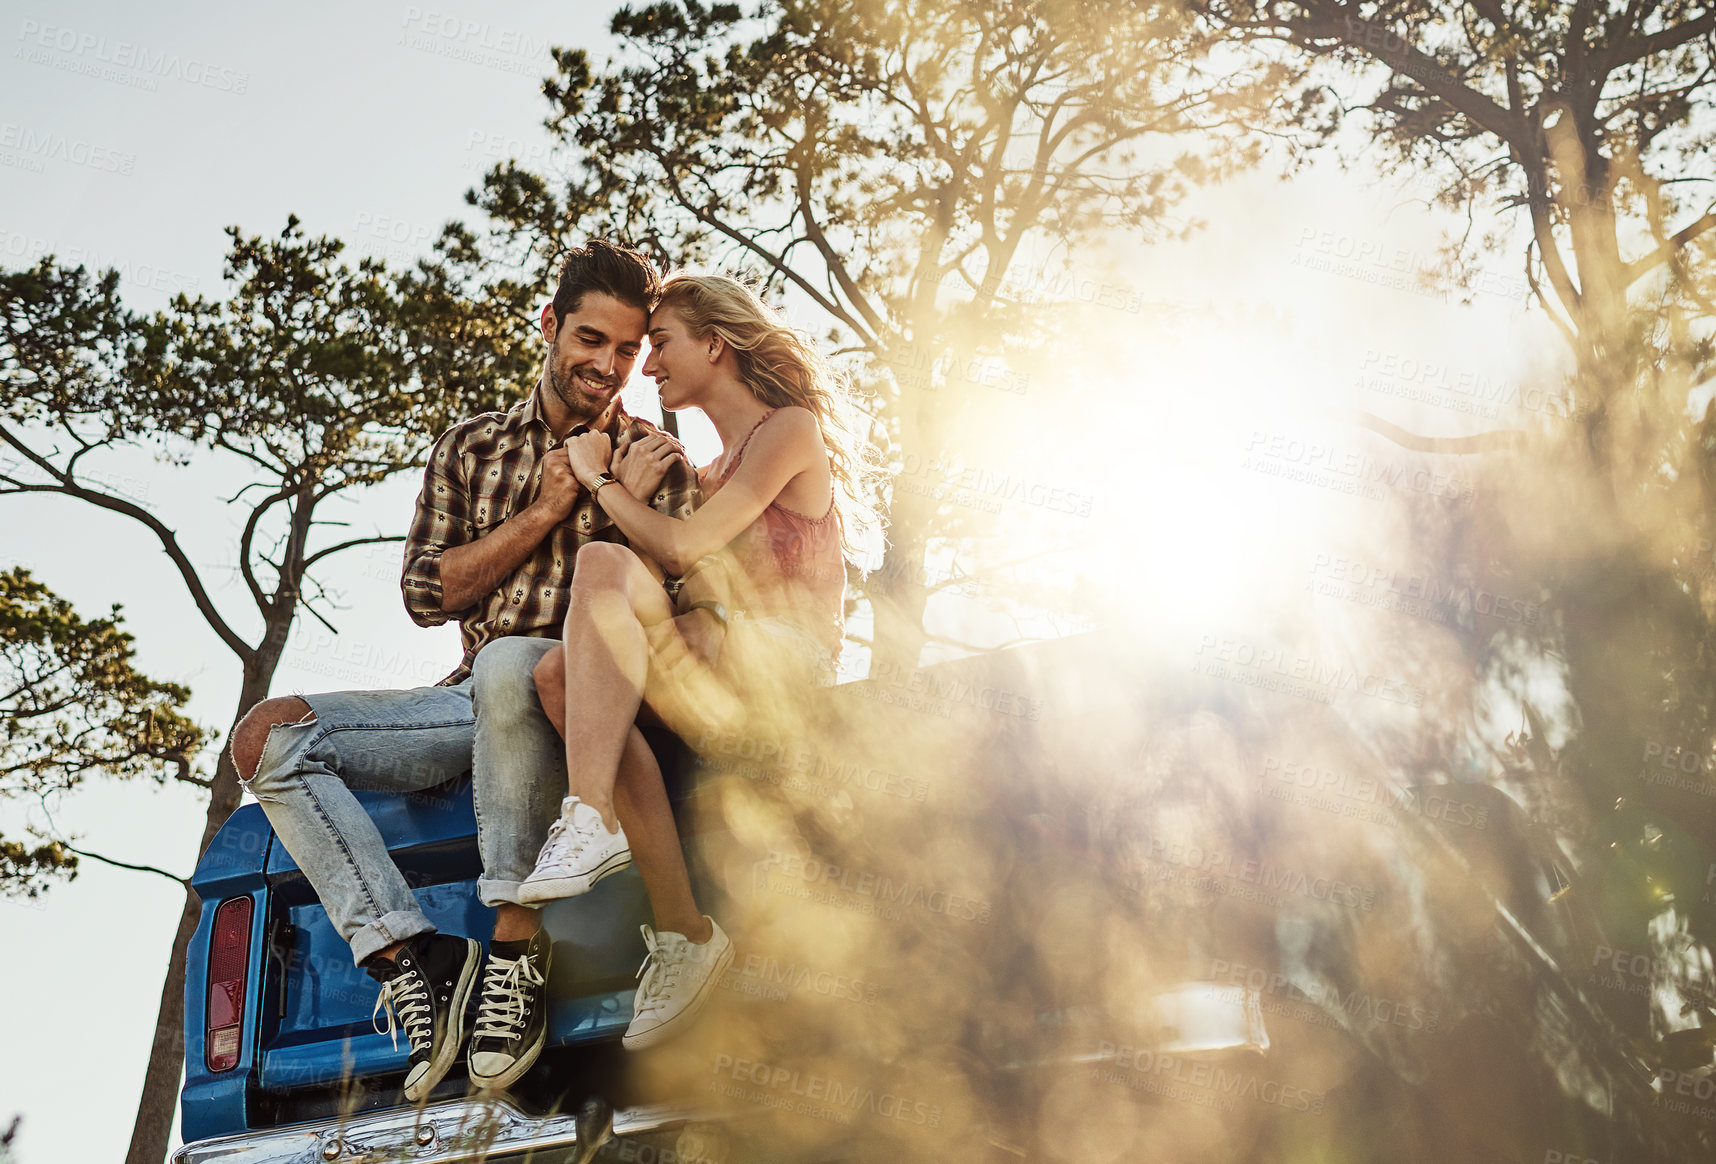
(282,1062)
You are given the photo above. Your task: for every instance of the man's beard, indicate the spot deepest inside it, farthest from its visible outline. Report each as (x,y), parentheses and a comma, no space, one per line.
(584,405)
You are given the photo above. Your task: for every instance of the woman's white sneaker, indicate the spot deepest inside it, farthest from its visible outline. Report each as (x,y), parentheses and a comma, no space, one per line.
(679,976)
(579,852)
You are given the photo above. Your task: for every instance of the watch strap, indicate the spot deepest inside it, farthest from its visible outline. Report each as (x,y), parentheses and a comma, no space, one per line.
(719,610)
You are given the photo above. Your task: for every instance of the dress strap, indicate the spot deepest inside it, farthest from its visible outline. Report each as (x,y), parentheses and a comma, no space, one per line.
(738,456)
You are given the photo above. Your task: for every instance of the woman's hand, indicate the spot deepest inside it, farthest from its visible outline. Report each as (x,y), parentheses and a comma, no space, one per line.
(589,453)
(640,466)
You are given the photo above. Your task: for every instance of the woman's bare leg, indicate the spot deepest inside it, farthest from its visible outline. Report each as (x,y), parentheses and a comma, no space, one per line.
(639,800)
(607,661)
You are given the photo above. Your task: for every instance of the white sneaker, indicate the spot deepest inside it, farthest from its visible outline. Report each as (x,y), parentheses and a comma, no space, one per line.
(579,852)
(679,977)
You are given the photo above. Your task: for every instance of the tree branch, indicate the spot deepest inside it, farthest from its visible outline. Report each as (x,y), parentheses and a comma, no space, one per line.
(1395,51)
(1483,442)
(168,539)
(1643,265)
(320,554)
(1669,38)
(182,882)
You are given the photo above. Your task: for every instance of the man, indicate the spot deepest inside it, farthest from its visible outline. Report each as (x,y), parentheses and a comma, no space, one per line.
(497,529)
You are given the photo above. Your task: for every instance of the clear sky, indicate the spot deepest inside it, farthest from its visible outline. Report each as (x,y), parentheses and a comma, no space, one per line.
(130,138)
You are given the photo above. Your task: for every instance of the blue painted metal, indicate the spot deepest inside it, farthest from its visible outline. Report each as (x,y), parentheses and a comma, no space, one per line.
(216,1103)
(309,1009)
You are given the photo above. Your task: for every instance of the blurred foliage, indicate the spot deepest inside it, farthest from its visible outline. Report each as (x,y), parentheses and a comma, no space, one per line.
(72,704)
(1581,130)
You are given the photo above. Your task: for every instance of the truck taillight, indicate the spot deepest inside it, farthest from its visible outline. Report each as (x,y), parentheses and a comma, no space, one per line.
(229,961)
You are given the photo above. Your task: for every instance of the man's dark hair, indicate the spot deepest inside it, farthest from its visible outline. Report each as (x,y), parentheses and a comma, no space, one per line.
(607,267)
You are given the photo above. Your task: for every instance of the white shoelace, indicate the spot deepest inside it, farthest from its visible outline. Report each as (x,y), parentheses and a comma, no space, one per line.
(501,1013)
(660,969)
(405,1000)
(564,843)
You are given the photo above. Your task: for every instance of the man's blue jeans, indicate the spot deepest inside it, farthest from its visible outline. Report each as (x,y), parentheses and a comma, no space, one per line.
(491,725)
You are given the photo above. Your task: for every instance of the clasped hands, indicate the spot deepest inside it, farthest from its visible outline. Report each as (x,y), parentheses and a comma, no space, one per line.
(639,466)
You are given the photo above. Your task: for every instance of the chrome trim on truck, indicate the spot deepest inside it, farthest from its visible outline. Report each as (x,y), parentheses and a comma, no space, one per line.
(452,1132)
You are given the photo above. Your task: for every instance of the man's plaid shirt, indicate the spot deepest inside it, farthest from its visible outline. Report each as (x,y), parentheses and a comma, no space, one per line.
(481,472)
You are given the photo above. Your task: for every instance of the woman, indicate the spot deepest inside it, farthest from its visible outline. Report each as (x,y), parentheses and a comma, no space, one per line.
(771,533)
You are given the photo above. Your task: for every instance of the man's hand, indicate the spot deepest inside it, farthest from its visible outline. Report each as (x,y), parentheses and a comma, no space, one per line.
(559,491)
(589,453)
(471,572)
(640,466)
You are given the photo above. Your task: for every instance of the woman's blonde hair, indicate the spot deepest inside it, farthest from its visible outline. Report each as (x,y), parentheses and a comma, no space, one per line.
(781,367)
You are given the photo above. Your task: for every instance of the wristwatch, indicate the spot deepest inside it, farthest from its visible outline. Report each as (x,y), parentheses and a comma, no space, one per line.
(598,481)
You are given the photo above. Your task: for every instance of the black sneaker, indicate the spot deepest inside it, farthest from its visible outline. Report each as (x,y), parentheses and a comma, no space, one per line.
(424,991)
(512,1012)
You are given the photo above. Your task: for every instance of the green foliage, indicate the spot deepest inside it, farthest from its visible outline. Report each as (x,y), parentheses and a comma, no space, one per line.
(28,872)
(317,375)
(312,377)
(73,704)
(317,370)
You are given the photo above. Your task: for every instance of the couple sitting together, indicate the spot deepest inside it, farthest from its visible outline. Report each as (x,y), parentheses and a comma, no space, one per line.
(596,577)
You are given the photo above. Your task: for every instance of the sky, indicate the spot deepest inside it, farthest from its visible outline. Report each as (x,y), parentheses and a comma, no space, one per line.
(131,138)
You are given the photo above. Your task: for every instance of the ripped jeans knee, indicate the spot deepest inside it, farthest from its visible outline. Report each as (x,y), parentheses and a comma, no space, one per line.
(284,746)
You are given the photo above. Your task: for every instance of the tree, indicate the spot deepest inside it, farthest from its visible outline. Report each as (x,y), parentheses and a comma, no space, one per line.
(1587,124)
(316,378)
(892,167)
(72,704)
(1584,115)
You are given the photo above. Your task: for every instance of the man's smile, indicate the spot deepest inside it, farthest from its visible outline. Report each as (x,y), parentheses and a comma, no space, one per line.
(597,385)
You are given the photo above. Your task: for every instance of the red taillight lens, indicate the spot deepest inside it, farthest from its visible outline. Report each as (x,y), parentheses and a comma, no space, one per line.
(229,960)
